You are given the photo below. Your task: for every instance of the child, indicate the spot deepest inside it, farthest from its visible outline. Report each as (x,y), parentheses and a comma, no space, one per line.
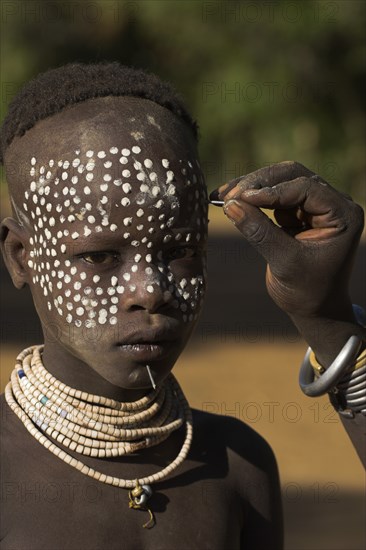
(109,232)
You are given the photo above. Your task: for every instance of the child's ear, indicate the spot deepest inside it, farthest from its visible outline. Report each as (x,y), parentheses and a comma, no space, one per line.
(13,238)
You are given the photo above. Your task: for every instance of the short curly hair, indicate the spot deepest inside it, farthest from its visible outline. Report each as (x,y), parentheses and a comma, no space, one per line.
(53,90)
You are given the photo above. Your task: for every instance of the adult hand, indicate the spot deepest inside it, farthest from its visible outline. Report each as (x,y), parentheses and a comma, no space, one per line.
(310,253)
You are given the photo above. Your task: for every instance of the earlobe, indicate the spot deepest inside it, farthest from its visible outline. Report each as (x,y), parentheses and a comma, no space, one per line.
(13,238)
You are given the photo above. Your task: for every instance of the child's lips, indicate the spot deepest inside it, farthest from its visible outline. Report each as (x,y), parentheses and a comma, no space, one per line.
(149,344)
(148,351)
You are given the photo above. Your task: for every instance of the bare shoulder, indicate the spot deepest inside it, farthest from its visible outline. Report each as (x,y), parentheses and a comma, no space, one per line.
(235,435)
(248,468)
(250,459)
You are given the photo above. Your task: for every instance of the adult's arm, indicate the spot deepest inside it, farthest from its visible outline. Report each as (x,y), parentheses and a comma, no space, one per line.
(309,254)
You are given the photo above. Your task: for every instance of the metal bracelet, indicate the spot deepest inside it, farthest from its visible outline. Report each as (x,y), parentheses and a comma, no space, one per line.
(351,387)
(361,392)
(357,400)
(353,376)
(343,386)
(326,382)
(343,409)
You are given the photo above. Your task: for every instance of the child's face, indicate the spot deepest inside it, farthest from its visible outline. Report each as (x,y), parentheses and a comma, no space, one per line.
(116,211)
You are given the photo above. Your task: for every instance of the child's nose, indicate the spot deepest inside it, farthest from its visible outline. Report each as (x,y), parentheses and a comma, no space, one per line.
(147,289)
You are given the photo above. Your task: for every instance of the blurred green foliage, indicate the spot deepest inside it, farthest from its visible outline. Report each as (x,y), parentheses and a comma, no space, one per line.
(266,80)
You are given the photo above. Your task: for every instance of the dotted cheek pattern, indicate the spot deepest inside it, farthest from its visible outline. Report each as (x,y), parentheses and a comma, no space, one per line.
(61,208)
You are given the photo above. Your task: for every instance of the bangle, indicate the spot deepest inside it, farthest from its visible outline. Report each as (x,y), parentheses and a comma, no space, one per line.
(349,396)
(334,374)
(344,380)
(319,369)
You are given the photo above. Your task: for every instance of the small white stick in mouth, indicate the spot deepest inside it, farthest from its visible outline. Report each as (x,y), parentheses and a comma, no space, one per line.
(151,377)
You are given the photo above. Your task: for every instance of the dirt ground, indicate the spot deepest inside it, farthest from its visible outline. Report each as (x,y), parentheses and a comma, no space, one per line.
(321,476)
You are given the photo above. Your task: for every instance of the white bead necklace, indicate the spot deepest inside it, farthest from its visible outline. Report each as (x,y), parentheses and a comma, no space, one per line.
(97,426)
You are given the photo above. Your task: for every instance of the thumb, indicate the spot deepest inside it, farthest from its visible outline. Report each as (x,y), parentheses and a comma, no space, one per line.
(274,244)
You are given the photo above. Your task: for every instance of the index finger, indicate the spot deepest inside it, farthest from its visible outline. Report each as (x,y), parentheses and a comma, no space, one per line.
(266,177)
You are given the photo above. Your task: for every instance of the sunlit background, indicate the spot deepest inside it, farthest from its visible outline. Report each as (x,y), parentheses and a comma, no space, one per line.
(267,81)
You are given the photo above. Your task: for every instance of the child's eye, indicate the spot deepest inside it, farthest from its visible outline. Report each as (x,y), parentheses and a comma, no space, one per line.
(100,258)
(182,252)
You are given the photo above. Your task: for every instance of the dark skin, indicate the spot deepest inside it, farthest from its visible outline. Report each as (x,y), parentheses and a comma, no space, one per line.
(318,226)
(88,357)
(309,255)
(226,494)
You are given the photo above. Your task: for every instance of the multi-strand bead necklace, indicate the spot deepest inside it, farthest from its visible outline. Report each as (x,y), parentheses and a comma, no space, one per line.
(97,426)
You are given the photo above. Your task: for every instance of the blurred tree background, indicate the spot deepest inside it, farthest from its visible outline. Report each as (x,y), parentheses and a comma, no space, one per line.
(266,80)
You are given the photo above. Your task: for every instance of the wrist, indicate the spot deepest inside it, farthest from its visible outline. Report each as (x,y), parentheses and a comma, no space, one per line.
(327,335)
(336,308)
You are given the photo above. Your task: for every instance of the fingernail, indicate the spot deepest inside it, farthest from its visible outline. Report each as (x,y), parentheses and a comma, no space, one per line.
(214,195)
(234,211)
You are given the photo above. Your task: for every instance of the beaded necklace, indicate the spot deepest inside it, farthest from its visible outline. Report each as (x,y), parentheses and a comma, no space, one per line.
(97,426)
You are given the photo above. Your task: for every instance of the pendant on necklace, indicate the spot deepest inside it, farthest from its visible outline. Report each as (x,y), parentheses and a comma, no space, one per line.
(139,497)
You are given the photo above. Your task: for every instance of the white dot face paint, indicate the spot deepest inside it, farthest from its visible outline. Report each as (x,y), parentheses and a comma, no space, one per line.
(92,192)
(126,187)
